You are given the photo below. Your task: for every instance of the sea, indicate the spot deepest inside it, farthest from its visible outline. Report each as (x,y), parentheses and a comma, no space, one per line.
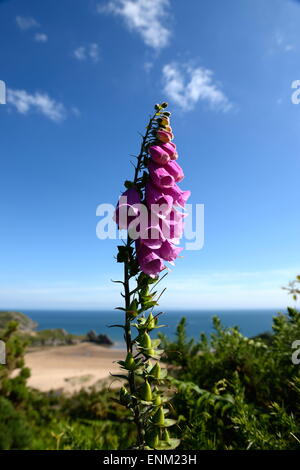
(250,322)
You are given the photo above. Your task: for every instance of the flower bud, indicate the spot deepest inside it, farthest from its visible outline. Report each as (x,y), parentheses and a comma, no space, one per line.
(129,184)
(157,401)
(159,417)
(145,341)
(155,371)
(124,396)
(146,392)
(129,362)
(150,352)
(152,438)
(165,121)
(164,136)
(166,436)
(150,322)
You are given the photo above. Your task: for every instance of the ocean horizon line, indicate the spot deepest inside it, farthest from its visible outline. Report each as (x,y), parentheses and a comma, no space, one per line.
(177,310)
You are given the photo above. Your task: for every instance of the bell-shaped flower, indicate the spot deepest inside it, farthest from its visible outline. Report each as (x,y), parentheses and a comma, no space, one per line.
(149,262)
(159,155)
(153,236)
(179,196)
(170,148)
(127,208)
(164,136)
(168,251)
(160,176)
(172,226)
(158,202)
(174,170)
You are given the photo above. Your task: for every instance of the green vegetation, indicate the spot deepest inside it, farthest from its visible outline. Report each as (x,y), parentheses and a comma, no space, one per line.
(231,392)
(24,323)
(238,393)
(49,337)
(52,337)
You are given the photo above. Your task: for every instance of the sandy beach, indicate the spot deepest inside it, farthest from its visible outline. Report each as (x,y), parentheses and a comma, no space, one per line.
(70,368)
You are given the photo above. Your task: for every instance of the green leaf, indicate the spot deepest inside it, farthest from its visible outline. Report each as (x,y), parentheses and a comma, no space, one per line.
(171,444)
(116,326)
(148,305)
(169,422)
(124,253)
(133,308)
(129,184)
(155,343)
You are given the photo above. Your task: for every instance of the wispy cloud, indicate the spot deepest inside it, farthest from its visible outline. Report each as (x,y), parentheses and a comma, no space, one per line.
(146,17)
(37,295)
(41,37)
(26,22)
(148,66)
(206,290)
(93,52)
(186,86)
(282,43)
(80,53)
(87,52)
(41,103)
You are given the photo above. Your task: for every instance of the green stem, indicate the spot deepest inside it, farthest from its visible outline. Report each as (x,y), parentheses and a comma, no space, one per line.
(129,343)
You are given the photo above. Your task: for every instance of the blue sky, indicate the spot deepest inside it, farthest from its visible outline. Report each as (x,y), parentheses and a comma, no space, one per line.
(82,78)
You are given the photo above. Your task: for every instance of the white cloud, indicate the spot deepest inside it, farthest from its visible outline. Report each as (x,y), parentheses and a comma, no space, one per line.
(282,43)
(94,52)
(25,102)
(80,53)
(289,47)
(186,86)
(89,52)
(146,17)
(206,290)
(148,66)
(41,37)
(27,22)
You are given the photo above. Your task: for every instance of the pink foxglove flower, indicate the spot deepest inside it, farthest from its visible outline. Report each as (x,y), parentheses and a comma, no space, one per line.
(168,251)
(158,154)
(172,226)
(170,148)
(152,236)
(155,197)
(150,263)
(156,226)
(160,176)
(174,170)
(126,211)
(179,196)
(164,136)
